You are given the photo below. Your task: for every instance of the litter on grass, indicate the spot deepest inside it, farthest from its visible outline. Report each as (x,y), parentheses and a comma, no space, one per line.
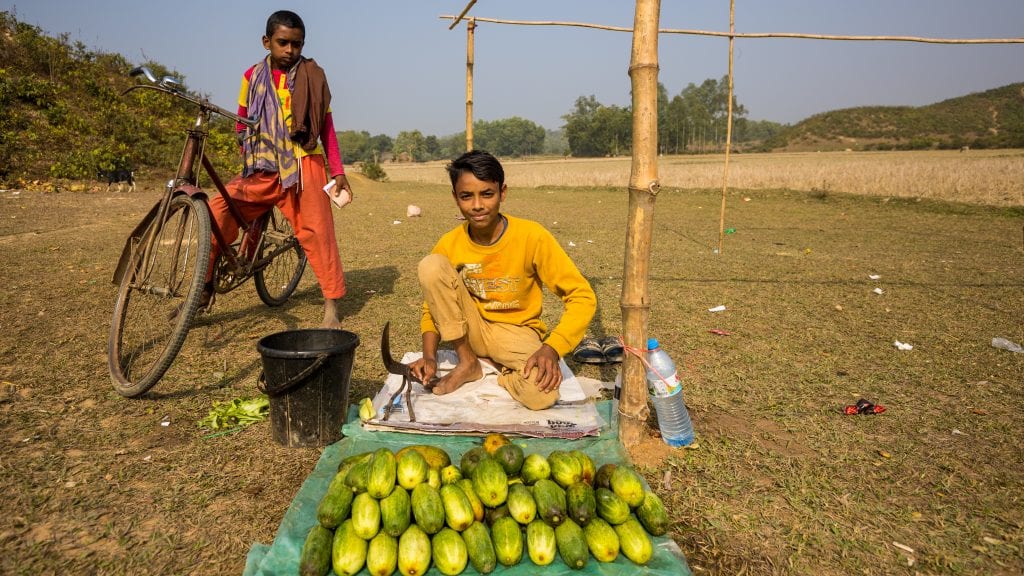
(719,308)
(902,345)
(1005,344)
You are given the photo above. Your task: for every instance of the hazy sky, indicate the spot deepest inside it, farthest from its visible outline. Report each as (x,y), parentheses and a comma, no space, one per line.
(393,65)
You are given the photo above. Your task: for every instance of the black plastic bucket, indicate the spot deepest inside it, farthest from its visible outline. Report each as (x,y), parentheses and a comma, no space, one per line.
(306,374)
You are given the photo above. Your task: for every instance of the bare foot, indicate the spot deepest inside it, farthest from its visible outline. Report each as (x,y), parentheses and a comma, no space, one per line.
(459,375)
(332,318)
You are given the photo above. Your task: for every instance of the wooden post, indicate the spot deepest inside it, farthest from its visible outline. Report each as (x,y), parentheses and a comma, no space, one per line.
(728,132)
(643,188)
(470,27)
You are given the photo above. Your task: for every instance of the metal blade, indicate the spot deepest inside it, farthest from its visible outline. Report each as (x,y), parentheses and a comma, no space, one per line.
(393,366)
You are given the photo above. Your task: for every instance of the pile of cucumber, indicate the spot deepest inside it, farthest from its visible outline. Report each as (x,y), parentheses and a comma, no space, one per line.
(406,511)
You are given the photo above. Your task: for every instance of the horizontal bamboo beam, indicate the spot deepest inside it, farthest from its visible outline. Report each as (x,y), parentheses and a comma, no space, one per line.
(754,34)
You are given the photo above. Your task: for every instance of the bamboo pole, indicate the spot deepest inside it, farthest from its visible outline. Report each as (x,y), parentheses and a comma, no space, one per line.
(470,41)
(457,19)
(728,132)
(643,189)
(754,34)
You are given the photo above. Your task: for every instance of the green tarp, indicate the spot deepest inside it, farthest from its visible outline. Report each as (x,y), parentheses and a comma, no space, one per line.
(282,556)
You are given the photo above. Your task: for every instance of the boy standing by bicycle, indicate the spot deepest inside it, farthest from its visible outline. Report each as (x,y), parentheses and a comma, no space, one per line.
(482,292)
(284,165)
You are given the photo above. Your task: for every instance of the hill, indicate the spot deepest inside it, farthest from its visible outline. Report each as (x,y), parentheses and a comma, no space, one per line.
(64,115)
(990,119)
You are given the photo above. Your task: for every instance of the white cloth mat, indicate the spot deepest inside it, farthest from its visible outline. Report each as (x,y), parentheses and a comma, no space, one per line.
(484,406)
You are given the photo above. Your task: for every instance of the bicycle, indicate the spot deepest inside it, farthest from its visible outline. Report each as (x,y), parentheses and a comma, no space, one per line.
(162,269)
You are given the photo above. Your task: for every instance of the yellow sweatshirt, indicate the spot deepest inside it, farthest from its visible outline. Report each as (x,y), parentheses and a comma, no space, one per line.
(505,279)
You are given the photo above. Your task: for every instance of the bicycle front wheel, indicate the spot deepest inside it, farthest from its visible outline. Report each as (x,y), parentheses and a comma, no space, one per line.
(276,282)
(158,297)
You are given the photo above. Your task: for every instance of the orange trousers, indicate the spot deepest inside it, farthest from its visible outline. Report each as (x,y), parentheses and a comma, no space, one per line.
(308,210)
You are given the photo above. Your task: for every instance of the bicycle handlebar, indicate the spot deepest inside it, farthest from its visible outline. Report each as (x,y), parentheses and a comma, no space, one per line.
(168,85)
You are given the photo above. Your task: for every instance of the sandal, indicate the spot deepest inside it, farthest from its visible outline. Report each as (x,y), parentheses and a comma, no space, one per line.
(863,406)
(611,347)
(589,352)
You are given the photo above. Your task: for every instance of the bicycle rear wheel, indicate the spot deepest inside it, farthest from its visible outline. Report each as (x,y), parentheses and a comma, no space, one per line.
(276,282)
(158,297)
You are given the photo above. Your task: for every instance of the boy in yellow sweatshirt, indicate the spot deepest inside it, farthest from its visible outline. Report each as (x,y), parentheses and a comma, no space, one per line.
(482,292)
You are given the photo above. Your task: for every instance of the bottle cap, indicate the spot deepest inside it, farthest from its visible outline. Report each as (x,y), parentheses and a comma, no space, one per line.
(652,343)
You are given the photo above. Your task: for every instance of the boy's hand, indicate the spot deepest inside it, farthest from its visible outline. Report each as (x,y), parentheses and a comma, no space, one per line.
(341,183)
(424,369)
(549,374)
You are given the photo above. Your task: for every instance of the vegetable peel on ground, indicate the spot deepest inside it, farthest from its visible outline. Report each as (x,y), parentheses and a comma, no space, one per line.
(240,412)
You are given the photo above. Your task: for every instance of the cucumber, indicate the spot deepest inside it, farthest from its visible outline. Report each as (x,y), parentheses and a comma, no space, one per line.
(358,476)
(411,469)
(428,508)
(628,485)
(535,467)
(634,541)
(581,503)
(490,482)
(458,511)
(521,504)
(414,552)
(478,507)
(565,468)
(572,544)
(652,514)
(602,540)
(382,555)
(396,512)
(550,498)
(449,552)
(611,507)
(348,551)
(381,476)
(365,516)
(508,541)
(315,559)
(348,462)
(436,457)
(336,503)
(480,547)
(540,542)
(587,469)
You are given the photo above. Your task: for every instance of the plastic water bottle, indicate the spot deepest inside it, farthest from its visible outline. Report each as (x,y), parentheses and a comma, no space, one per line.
(666,393)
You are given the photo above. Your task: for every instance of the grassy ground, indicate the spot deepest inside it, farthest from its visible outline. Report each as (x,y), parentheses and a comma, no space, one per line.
(781,483)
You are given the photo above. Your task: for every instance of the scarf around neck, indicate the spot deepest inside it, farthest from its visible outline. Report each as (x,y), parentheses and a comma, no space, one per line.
(272,149)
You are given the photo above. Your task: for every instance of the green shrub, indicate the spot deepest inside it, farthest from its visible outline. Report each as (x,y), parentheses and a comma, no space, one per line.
(373,171)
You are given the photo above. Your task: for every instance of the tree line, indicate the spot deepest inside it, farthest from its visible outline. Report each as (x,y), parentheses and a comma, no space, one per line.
(691,122)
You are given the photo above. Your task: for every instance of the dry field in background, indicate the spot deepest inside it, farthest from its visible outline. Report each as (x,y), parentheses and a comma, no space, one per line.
(782,482)
(989,177)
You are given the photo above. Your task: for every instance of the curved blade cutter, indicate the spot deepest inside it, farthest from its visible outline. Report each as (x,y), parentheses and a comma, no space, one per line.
(395,367)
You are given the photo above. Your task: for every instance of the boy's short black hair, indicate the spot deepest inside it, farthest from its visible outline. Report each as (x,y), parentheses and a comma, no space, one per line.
(285,18)
(480,163)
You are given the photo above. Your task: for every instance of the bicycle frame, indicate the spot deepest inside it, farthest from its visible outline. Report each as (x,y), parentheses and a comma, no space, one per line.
(186,181)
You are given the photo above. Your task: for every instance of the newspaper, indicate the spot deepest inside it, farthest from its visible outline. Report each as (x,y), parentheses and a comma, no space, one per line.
(483,406)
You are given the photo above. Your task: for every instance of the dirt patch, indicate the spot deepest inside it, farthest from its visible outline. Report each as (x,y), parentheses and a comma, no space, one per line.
(761,431)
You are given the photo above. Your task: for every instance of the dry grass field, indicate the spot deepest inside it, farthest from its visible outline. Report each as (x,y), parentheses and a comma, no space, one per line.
(781,483)
(988,177)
